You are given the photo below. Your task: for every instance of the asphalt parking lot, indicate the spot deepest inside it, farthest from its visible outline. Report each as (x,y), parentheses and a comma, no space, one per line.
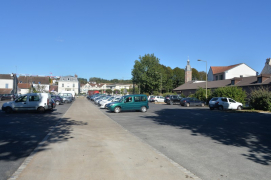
(211,144)
(21,132)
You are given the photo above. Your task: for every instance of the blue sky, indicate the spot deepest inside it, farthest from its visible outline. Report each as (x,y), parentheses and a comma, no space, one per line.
(104,38)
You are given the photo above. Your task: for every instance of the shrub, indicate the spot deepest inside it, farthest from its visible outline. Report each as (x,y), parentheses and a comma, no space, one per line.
(236,93)
(260,99)
(201,94)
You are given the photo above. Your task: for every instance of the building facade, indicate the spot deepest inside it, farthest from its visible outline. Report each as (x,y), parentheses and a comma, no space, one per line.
(8,83)
(228,72)
(40,83)
(69,83)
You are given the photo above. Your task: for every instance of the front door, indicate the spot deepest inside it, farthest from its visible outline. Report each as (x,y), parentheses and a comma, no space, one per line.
(128,104)
(21,103)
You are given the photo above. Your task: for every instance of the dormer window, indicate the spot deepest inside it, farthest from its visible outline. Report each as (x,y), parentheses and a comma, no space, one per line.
(259,80)
(232,82)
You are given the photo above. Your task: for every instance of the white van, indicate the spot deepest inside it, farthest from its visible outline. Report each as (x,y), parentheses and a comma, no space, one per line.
(31,101)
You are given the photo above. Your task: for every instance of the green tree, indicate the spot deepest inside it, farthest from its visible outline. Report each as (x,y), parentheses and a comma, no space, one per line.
(195,74)
(177,77)
(108,91)
(233,92)
(260,99)
(146,73)
(202,76)
(82,80)
(201,94)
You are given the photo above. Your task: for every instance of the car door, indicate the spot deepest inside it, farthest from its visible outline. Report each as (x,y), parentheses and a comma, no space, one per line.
(33,102)
(232,104)
(21,103)
(128,103)
(225,103)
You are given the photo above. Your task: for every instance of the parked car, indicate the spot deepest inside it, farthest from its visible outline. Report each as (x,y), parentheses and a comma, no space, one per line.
(67,99)
(110,100)
(58,100)
(172,99)
(150,97)
(159,99)
(30,101)
(6,97)
(224,103)
(191,102)
(130,102)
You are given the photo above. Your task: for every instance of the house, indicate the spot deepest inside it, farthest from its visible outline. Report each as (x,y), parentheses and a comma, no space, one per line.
(92,86)
(227,72)
(8,83)
(68,83)
(114,87)
(23,88)
(40,83)
(246,83)
(267,67)
(239,75)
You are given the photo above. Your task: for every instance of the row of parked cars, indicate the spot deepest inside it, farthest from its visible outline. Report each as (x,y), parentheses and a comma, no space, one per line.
(36,101)
(215,103)
(121,103)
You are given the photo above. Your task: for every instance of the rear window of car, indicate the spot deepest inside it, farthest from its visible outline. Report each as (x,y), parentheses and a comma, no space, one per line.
(224,99)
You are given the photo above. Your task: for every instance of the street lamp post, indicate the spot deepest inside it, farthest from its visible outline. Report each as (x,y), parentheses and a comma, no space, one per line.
(206,76)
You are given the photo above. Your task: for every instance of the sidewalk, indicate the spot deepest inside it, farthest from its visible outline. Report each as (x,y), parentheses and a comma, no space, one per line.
(94,147)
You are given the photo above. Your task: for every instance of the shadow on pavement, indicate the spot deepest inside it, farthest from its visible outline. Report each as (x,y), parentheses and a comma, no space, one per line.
(250,130)
(20,133)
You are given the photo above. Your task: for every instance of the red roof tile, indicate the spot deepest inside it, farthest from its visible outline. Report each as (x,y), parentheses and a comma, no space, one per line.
(220,69)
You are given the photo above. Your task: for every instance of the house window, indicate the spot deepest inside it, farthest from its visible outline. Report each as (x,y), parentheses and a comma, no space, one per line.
(216,77)
(73,85)
(6,86)
(221,77)
(232,82)
(62,85)
(259,79)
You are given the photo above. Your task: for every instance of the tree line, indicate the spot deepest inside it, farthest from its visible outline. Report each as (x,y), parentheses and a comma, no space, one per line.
(101,80)
(151,77)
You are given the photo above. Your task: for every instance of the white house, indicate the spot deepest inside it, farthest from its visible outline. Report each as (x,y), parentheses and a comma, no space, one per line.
(118,86)
(92,86)
(40,83)
(228,72)
(267,67)
(68,83)
(8,83)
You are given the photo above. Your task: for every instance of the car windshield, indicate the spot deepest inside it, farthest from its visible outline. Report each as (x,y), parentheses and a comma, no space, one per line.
(121,99)
(111,98)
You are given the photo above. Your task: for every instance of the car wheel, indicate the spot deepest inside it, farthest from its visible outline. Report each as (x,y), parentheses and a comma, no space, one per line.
(57,102)
(143,109)
(8,110)
(220,108)
(41,110)
(117,109)
(239,108)
(187,104)
(66,101)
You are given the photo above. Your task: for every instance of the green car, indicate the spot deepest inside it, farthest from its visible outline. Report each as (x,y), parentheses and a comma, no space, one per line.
(130,103)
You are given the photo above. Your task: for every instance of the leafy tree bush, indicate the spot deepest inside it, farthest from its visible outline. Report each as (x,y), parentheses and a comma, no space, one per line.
(108,91)
(260,99)
(201,94)
(236,93)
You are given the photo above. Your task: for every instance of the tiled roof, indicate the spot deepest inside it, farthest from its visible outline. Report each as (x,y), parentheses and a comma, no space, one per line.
(5,91)
(245,81)
(24,85)
(6,76)
(36,79)
(220,69)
